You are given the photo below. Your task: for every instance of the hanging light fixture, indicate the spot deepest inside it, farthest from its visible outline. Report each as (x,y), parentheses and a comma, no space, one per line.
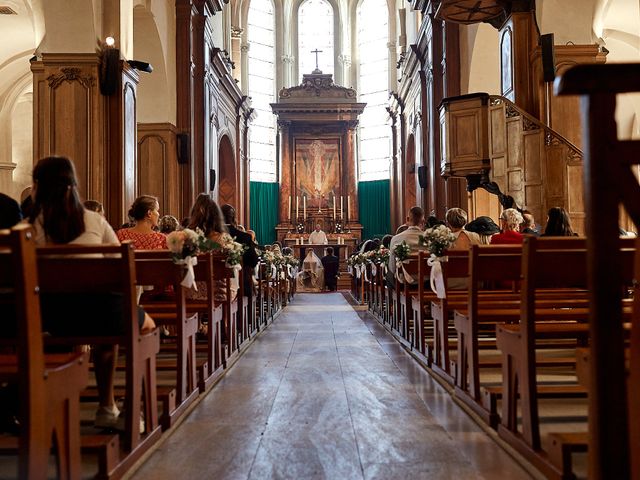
(470,11)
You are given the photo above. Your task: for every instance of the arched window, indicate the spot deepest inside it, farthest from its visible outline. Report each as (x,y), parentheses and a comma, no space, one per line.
(262,133)
(373,88)
(315,31)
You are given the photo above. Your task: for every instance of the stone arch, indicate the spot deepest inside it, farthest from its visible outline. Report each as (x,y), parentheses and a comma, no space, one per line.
(227,178)
(154,94)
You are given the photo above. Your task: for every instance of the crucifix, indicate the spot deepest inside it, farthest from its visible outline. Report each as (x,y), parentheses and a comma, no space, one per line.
(316,51)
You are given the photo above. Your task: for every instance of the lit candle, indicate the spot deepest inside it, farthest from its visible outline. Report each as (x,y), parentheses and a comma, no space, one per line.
(297,207)
(289,207)
(334,206)
(304,207)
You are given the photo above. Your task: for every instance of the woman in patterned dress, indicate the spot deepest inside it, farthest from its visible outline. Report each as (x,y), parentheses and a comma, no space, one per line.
(145,212)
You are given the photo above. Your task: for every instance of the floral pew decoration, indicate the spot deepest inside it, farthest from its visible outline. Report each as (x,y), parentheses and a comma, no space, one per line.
(436,240)
(402,252)
(356,264)
(185,245)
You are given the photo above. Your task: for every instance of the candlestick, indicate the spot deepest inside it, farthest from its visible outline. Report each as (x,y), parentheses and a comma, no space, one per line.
(289,211)
(341,209)
(348,207)
(297,207)
(334,206)
(304,207)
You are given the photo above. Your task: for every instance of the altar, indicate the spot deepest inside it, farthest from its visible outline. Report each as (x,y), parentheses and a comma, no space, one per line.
(317,162)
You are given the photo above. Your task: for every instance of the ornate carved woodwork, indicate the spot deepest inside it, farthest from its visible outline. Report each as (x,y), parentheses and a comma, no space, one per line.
(98,133)
(316,125)
(489,138)
(471,11)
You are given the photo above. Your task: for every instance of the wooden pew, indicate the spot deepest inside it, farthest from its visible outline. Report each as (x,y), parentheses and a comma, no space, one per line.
(518,342)
(49,385)
(155,267)
(97,269)
(404,322)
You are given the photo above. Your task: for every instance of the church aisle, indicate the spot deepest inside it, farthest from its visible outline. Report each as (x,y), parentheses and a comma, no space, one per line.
(326,394)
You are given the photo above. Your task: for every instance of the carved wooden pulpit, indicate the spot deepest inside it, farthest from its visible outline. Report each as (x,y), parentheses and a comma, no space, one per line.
(317,162)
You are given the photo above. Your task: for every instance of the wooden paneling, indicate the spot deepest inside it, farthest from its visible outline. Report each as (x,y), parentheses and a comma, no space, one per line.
(562,113)
(158,167)
(98,133)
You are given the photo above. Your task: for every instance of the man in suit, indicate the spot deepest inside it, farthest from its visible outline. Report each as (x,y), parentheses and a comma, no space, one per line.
(249,257)
(331,265)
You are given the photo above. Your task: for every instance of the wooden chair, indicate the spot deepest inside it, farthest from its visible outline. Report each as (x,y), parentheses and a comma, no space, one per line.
(49,385)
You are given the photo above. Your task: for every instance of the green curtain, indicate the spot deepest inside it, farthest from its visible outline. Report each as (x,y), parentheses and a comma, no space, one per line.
(264,210)
(375,208)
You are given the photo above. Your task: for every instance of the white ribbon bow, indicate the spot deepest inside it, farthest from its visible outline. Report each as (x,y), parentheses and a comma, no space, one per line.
(358,270)
(350,269)
(437,280)
(405,275)
(189,280)
(273,271)
(374,270)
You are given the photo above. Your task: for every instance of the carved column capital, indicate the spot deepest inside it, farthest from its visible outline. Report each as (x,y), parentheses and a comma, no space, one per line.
(287,59)
(236,32)
(244,48)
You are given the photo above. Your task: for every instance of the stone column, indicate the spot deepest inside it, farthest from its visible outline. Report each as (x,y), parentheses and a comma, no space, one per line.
(236,55)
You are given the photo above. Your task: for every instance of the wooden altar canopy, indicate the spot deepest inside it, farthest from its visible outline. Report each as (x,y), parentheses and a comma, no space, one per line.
(317,164)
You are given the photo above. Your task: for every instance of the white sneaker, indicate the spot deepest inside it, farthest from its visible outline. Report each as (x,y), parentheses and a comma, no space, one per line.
(107,417)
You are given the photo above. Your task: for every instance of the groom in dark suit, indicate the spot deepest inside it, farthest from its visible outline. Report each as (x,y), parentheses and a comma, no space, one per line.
(331,265)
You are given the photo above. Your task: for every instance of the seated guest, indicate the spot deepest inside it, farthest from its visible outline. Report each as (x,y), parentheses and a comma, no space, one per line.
(331,265)
(206,215)
(558,224)
(59,217)
(145,213)
(411,236)
(94,206)
(432,221)
(10,213)
(457,219)
(485,227)
(386,240)
(510,221)
(168,224)
(249,257)
(528,226)
(318,237)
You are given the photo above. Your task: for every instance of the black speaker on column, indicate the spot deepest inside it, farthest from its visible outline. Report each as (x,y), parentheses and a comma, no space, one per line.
(183,148)
(548,57)
(422,176)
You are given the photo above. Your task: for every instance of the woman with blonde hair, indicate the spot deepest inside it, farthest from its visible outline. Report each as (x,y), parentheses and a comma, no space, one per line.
(456,220)
(510,221)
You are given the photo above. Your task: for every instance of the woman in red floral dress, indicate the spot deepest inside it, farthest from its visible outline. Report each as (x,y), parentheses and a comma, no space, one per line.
(145,213)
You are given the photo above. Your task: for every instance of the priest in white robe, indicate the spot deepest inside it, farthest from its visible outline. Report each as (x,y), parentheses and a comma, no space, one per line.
(318,237)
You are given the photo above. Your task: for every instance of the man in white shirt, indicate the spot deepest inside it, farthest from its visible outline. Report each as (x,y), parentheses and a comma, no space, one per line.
(411,236)
(318,237)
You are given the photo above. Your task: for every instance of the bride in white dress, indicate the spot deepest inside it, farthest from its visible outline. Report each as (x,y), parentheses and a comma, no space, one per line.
(311,277)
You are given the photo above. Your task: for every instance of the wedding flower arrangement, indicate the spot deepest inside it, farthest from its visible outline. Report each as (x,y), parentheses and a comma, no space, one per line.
(185,243)
(437,239)
(291,261)
(382,255)
(233,249)
(356,259)
(300,227)
(402,251)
